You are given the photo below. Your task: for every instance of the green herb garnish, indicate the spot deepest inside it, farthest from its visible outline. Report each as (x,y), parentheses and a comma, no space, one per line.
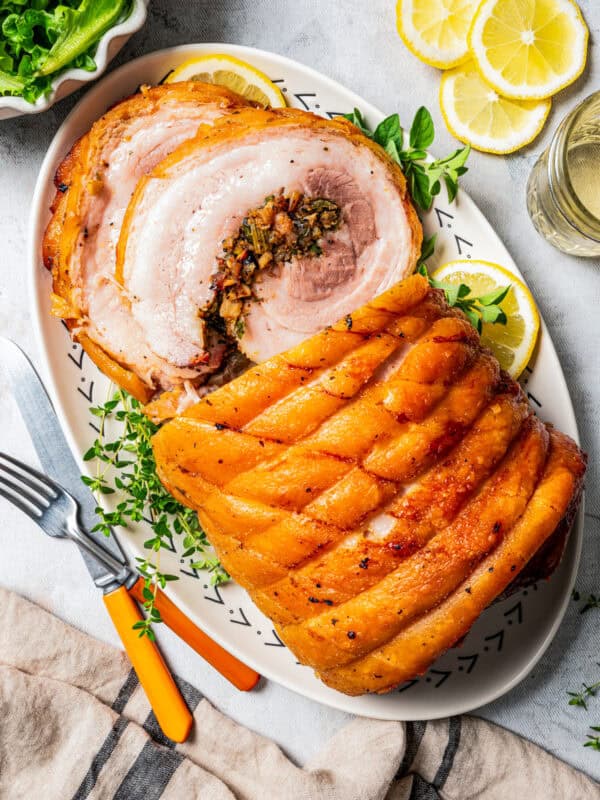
(592,601)
(593,741)
(485,308)
(580,698)
(41,38)
(126,463)
(424,177)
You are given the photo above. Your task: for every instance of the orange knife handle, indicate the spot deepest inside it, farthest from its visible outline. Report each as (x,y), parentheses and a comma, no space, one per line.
(229,666)
(168,705)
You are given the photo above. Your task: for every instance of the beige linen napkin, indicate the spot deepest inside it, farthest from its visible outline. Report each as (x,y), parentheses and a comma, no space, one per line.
(75,725)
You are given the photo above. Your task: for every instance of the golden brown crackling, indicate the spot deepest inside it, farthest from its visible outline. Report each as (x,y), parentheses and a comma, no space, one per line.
(478,461)
(361,558)
(412,651)
(419,583)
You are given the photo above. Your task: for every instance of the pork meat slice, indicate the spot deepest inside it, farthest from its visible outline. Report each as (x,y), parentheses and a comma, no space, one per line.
(94,186)
(199,196)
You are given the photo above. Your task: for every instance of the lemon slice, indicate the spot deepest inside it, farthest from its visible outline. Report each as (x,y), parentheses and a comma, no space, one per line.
(436,30)
(477,115)
(529,49)
(513,343)
(232,73)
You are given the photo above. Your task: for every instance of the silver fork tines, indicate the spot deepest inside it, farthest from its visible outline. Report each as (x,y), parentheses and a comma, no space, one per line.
(30,486)
(54,509)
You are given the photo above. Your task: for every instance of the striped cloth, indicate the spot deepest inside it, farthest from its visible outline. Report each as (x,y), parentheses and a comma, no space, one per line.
(75,725)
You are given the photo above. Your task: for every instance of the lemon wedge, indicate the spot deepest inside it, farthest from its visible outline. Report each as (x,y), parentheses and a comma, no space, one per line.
(529,49)
(234,74)
(513,343)
(476,114)
(436,30)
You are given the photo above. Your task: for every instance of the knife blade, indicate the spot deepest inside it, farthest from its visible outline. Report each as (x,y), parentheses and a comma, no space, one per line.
(55,454)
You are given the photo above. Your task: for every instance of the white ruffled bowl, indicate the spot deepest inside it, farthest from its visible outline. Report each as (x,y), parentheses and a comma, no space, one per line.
(69,81)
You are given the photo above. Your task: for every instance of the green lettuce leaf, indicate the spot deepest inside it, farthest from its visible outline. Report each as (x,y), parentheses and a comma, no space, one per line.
(39,39)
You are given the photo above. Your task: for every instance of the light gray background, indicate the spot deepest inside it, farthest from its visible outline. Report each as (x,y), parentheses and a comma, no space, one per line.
(356,43)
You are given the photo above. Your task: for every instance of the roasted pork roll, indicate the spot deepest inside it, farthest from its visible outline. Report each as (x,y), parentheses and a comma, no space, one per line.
(94,185)
(375,487)
(267,227)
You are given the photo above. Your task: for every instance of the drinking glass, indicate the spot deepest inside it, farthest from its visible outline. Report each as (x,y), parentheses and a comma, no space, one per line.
(563,191)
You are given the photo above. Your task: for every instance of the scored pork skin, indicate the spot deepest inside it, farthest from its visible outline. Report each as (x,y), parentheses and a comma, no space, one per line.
(199,196)
(94,184)
(375,488)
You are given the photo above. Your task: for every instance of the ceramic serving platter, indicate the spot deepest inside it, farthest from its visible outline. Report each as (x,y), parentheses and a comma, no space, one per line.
(510,637)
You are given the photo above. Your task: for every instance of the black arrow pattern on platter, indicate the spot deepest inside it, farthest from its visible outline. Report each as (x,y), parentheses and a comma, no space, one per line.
(439,213)
(519,609)
(89,395)
(94,427)
(167,543)
(470,660)
(444,673)
(79,360)
(192,572)
(301,97)
(332,114)
(499,636)
(217,596)
(459,240)
(408,685)
(535,400)
(276,643)
(243,621)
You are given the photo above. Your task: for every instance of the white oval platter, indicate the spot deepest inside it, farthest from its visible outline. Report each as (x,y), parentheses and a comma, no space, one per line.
(510,637)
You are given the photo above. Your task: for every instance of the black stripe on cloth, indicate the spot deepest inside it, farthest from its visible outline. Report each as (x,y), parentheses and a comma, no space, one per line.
(422,790)
(192,697)
(454,726)
(101,758)
(125,692)
(414,735)
(149,774)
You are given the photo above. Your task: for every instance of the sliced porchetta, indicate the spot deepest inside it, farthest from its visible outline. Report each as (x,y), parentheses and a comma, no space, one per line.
(200,195)
(94,186)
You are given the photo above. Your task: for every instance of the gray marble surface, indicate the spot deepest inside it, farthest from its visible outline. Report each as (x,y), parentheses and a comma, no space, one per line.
(355,43)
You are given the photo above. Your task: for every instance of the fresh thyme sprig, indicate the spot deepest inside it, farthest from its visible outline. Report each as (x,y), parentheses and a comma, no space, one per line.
(592,601)
(126,464)
(593,741)
(580,698)
(424,176)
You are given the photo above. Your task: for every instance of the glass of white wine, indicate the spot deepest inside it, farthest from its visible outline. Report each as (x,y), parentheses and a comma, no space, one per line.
(563,192)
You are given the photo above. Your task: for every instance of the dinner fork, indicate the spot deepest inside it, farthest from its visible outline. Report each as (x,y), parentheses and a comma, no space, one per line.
(56,512)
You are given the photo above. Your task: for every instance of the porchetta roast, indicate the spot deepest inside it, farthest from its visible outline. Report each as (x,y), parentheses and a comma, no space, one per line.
(376,487)
(371,476)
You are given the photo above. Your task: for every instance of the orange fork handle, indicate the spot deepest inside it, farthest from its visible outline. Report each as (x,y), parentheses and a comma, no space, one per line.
(168,705)
(229,666)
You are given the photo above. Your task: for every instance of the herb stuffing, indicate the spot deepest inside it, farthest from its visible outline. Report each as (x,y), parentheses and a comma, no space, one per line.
(39,39)
(125,463)
(282,228)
